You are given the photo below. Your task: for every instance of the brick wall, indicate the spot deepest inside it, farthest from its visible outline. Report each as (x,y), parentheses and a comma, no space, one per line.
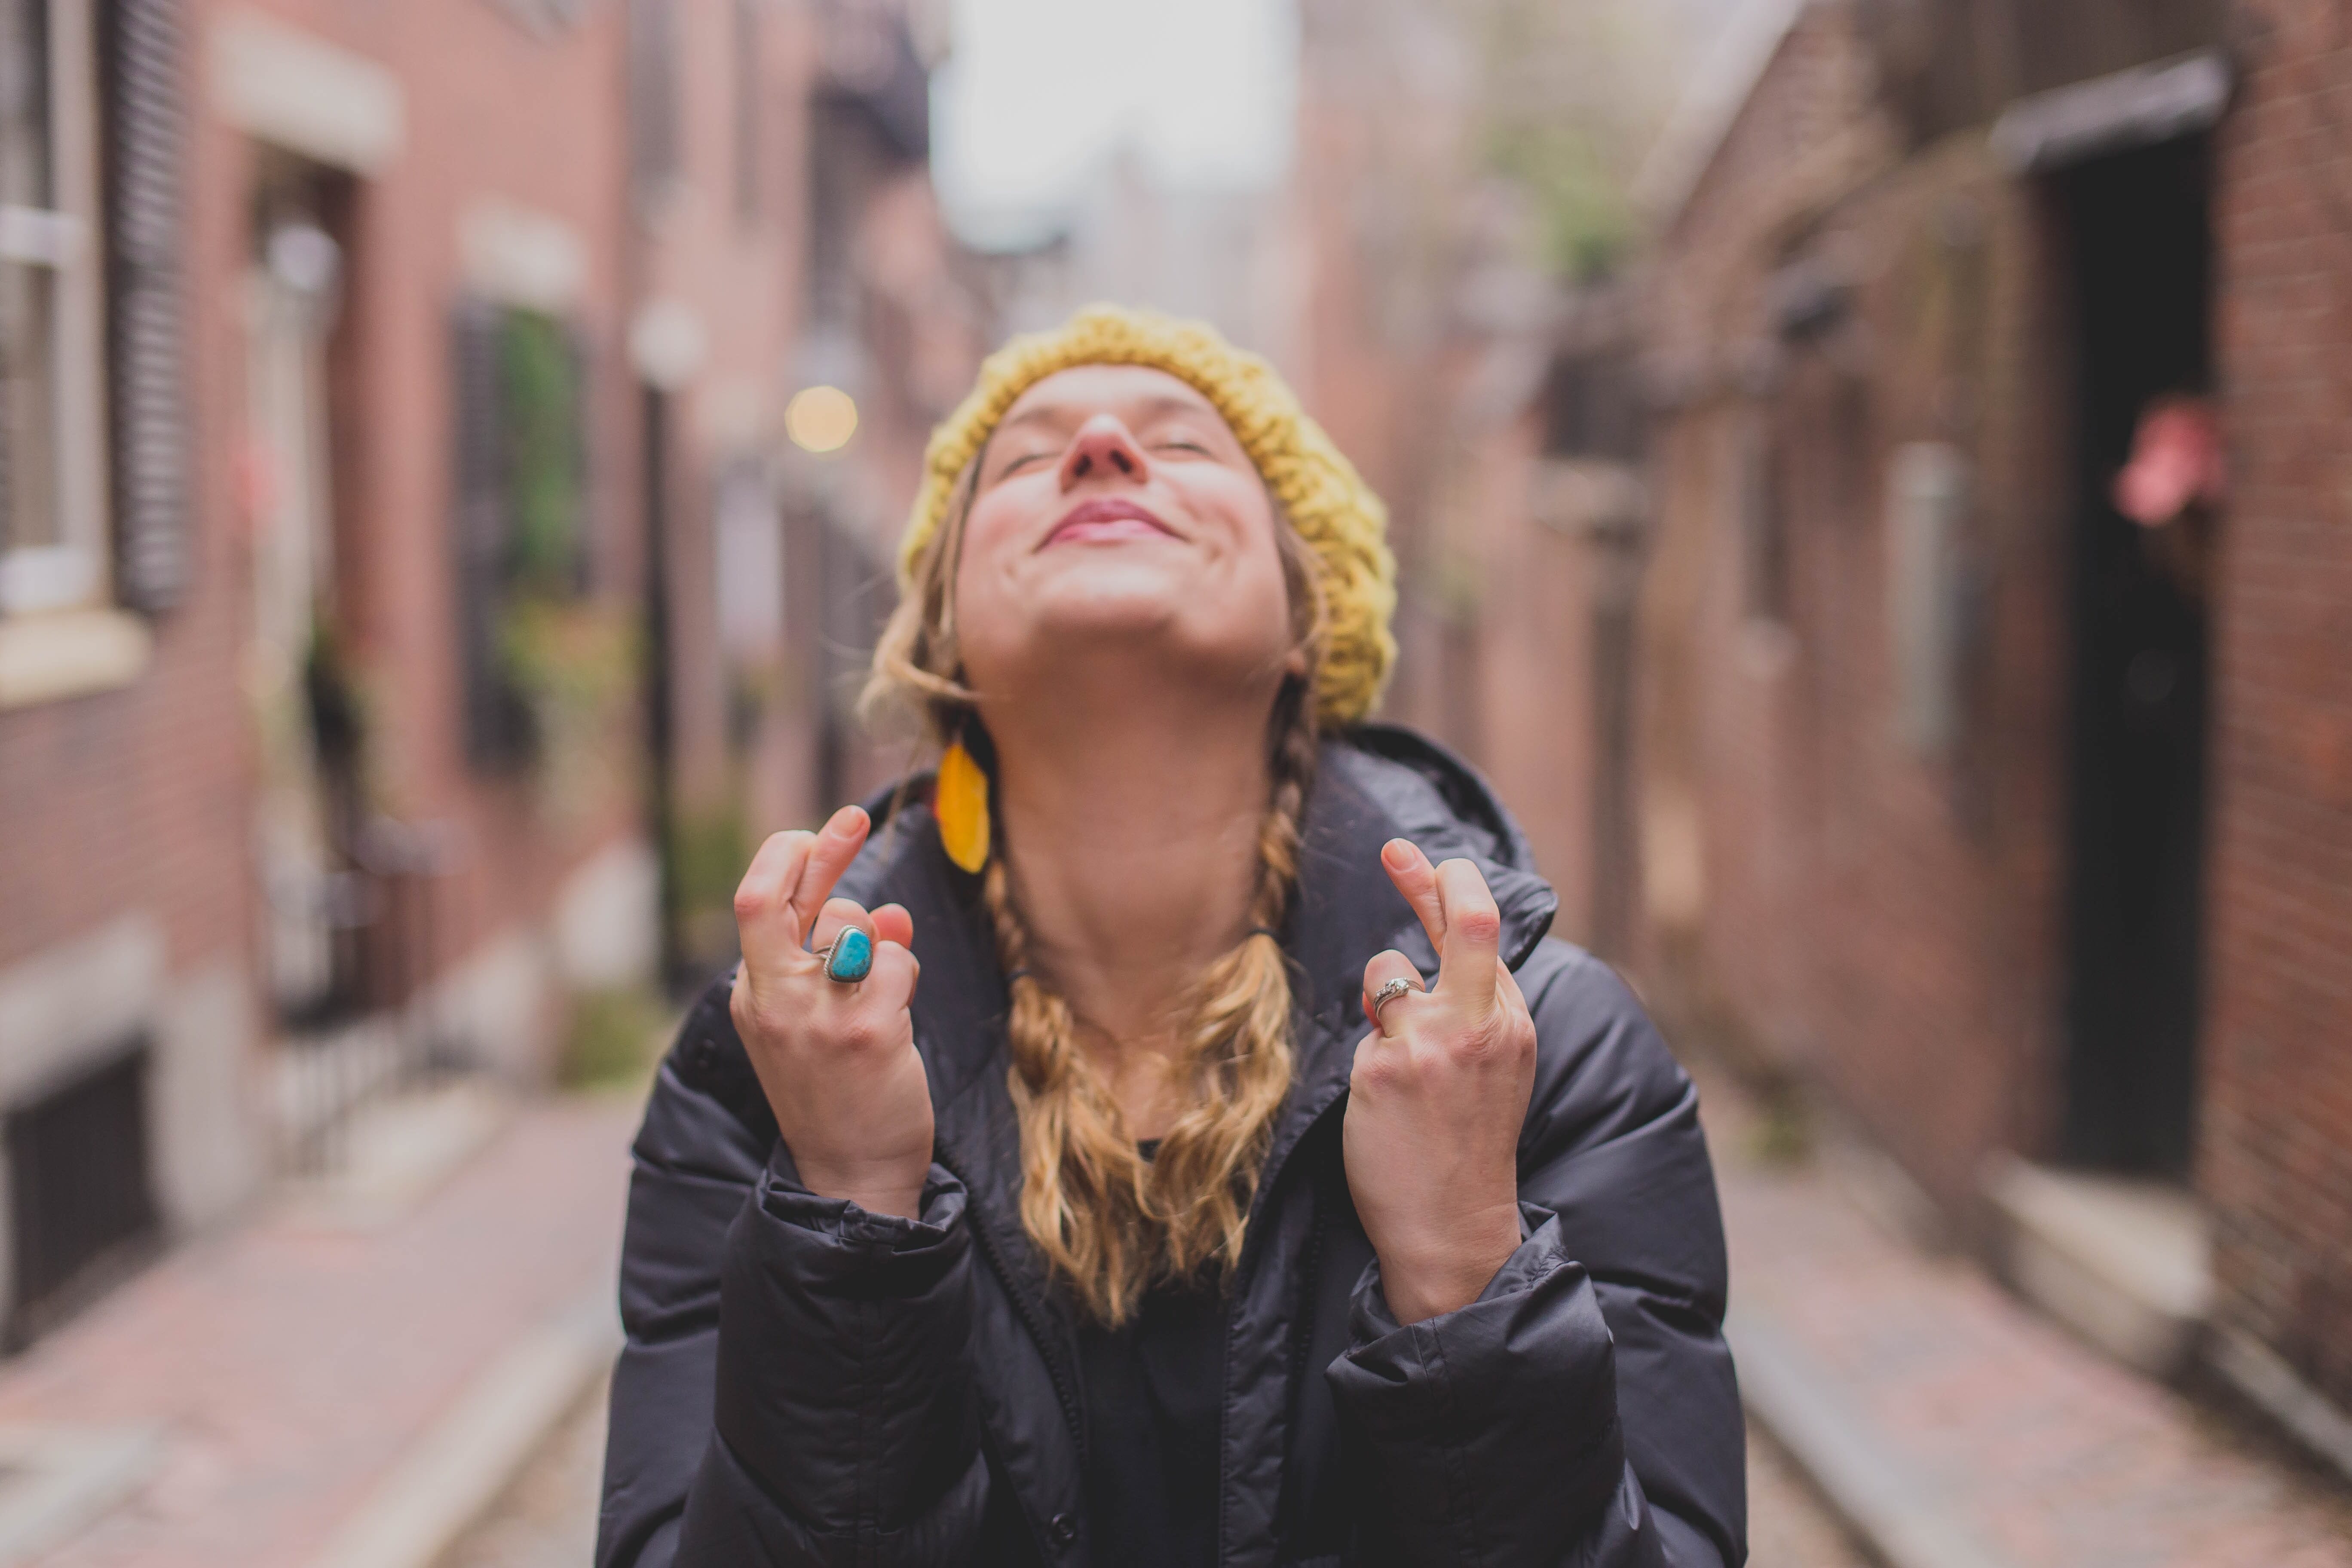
(494,111)
(2275,1156)
(1892,922)
(1883,918)
(1520,674)
(140,800)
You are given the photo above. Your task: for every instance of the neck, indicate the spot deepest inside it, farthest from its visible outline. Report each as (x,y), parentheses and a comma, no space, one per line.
(1131,833)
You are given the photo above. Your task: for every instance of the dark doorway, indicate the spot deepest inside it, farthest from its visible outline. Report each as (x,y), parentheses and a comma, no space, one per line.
(2142,272)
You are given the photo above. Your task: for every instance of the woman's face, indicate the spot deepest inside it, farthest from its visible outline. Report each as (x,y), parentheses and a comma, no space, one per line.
(1115,512)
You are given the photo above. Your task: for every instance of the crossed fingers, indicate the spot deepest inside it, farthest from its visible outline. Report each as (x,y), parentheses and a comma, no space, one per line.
(1457,910)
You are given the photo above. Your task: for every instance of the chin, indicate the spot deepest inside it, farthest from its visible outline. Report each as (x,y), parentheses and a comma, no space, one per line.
(1136,594)
(1133,612)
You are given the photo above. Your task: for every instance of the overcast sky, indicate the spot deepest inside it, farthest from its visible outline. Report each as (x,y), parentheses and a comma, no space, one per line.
(1039,93)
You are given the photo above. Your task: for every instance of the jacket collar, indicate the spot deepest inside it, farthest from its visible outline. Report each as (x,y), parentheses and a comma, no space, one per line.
(1373,783)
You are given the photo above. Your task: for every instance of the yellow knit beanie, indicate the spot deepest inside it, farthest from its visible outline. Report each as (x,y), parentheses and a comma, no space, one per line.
(1318,489)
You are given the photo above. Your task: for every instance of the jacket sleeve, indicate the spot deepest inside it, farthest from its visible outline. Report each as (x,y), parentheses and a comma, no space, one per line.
(794,1386)
(1582,1410)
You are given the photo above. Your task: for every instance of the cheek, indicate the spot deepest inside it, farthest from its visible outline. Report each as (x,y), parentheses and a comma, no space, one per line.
(991,532)
(1256,589)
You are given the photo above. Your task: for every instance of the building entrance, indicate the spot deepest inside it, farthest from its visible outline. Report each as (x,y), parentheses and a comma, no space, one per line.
(2141,254)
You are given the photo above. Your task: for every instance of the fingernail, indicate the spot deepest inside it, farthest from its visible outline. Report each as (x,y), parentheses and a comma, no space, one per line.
(842,823)
(1398,853)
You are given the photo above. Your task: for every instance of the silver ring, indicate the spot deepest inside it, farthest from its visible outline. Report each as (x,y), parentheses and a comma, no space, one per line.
(848,958)
(1389,992)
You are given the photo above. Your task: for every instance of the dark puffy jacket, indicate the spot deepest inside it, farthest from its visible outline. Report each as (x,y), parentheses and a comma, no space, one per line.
(805,1382)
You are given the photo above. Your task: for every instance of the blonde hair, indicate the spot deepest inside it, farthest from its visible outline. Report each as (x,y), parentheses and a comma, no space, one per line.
(1107,1221)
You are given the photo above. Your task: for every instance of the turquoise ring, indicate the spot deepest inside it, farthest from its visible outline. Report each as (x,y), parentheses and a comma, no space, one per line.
(849,957)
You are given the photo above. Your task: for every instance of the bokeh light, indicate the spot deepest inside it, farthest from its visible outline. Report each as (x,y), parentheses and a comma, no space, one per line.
(821,418)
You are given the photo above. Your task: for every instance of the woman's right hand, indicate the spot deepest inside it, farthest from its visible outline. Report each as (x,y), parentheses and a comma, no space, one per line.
(838,1061)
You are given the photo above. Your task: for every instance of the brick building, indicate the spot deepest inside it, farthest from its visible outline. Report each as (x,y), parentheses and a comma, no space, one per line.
(1537,518)
(2017,825)
(1489,402)
(786,240)
(396,466)
(2274,1153)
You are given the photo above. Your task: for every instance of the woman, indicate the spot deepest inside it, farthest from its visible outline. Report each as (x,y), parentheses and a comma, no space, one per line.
(1078,1169)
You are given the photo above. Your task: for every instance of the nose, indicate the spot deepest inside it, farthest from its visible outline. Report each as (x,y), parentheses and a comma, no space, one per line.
(1103,447)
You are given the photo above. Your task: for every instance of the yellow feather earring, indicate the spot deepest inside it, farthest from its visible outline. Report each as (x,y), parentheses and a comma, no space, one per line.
(960,801)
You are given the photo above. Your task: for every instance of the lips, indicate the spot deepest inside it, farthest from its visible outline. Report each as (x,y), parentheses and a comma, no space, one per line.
(1104,520)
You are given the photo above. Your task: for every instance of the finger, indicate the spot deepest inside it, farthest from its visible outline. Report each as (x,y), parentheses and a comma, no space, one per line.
(838,915)
(1416,879)
(837,844)
(1382,968)
(1507,992)
(763,918)
(1506,987)
(1474,935)
(891,985)
(893,923)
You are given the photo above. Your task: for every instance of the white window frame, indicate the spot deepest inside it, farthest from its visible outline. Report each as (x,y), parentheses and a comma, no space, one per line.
(73,573)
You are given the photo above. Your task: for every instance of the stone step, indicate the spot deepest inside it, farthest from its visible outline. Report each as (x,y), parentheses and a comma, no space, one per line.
(2124,1263)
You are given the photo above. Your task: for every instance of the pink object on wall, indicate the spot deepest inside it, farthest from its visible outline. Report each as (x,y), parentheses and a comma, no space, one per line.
(2176,459)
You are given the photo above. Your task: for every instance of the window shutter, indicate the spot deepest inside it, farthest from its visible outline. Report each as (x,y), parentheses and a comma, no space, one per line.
(653,98)
(143,54)
(496,722)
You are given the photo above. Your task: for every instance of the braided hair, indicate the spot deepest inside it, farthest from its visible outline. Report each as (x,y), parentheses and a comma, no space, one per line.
(1107,1221)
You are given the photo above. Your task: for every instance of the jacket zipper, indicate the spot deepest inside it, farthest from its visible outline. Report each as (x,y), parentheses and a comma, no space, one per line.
(1311,1269)
(1035,1321)
(1277,1166)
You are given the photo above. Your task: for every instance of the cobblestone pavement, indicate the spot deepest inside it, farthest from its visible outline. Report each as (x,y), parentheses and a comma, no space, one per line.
(290,1367)
(2033,1448)
(1787,1527)
(548,1519)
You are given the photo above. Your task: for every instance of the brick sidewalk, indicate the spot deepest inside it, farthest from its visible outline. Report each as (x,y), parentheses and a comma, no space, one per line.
(1974,1431)
(293,1367)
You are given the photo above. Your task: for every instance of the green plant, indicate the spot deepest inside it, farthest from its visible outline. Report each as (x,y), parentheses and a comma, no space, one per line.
(613,1039)
(1782,1134)
(1585,222)
(708,852)
(1569,98)
(540,372)
(574,662)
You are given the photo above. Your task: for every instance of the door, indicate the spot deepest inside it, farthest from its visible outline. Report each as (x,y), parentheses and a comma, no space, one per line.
(2142,260)
(299,679)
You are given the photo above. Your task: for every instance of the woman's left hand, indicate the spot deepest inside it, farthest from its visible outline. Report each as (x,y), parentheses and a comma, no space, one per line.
(1438,1096)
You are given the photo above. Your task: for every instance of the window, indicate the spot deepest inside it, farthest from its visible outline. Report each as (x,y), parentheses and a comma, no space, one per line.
(655,103)
(53,503)
(522,521)
(1927,485)
(1591,406)
(80,1196)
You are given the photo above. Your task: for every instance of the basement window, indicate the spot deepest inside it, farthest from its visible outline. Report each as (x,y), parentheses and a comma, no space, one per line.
(81,1203)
